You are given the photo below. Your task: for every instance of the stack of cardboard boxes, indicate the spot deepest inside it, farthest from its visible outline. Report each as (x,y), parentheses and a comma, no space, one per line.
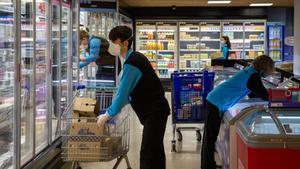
(87,141)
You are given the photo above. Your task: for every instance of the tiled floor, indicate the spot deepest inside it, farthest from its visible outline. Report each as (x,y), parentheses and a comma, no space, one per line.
(187,158)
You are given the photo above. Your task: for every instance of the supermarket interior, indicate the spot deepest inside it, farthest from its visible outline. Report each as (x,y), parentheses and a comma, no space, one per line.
(49,102)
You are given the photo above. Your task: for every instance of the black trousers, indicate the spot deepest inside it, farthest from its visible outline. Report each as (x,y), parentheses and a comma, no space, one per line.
(152,154)
(211,132)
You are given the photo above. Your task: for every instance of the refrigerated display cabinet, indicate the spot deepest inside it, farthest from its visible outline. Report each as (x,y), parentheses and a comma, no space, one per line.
(197,40)
(210,34)
(254,44)
(36,71)
(7,78)
(275,41)
(189,47)
(247,38)
(166,48)
(99,24)
(146,41)
(235,31)
(226,141)
(269,138)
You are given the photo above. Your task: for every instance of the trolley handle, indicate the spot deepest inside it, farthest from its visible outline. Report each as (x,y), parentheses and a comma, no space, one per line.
(78,86)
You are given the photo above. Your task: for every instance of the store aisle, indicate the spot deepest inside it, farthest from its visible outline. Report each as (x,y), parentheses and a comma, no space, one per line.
(188,158)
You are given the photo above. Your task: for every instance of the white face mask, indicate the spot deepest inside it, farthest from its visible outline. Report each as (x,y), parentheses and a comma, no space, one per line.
(114,49)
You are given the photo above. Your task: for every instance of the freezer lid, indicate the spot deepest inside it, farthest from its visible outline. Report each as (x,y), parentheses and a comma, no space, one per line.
(260,129)
(237,111)
(289,120)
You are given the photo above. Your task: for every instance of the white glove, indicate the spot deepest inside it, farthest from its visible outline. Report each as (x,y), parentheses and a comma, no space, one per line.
(102,119)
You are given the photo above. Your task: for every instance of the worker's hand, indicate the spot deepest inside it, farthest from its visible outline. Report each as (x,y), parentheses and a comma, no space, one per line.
(102,120)
(82,59)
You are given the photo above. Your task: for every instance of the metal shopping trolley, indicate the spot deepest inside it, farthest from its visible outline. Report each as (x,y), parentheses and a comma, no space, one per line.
(84,141)
(189,91)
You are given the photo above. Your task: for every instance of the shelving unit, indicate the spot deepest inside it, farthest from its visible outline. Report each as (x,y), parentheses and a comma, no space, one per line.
(235,32)
(158,42)
(146,41)
(166,48)
(275,41)
(256,31)
(189,49)
(197,40)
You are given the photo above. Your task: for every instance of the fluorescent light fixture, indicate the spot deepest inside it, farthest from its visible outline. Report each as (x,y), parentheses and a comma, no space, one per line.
(6,3)
(218,2)
(261,4)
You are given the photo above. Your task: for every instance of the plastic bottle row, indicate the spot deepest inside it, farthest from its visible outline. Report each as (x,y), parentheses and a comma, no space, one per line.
(158,46)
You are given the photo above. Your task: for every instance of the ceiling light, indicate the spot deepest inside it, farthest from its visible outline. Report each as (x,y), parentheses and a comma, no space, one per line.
(218,2)
(6,3)
(261,4)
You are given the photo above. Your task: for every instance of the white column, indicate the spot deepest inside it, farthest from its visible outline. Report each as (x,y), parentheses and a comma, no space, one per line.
(297,37)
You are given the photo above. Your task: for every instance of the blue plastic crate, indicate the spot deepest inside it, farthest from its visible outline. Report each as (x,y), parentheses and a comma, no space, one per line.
(189,91)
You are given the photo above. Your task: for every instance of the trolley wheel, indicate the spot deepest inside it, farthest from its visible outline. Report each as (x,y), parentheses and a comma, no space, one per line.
(199,136)
(179,135)
(173,146)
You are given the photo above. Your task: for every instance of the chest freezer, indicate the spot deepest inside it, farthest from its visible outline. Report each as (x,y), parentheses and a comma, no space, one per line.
(226,140)
(269,138)
(224,73)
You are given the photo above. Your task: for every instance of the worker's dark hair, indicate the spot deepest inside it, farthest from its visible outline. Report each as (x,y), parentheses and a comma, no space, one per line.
(83,35)
(263,63)
(227,41)
(123,33)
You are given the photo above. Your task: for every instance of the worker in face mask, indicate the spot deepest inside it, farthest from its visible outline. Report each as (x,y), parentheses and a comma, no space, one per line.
(226,95)
(225,47)
(95,49)
(140,87)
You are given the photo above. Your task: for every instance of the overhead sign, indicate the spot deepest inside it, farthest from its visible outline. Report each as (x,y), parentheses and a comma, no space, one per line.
(98,5)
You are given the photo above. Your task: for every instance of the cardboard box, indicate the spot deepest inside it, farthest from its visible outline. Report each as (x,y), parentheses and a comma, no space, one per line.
(85,128)
(252,54)
(112,145)
(85,107)
(216,55)
(84,151)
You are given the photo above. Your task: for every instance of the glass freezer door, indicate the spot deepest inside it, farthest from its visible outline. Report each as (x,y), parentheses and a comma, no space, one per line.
(55,68)
(275,41)
(75,44)
(189,48)
(235,32)
(166,48)
(64,53)
(41,127)
(7,70)
(146,41)
(254,39)
(27,81)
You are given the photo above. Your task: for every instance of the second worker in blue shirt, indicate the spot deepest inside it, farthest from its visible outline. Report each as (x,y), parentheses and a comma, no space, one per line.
(226,95)
(140,87)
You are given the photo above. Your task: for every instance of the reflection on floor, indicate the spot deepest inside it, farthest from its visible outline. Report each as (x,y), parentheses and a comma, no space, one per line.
(187,158)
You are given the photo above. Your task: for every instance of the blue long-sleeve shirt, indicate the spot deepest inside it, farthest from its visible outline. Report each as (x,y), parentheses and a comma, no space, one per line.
(224,51)
(130,78)
(94,45)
